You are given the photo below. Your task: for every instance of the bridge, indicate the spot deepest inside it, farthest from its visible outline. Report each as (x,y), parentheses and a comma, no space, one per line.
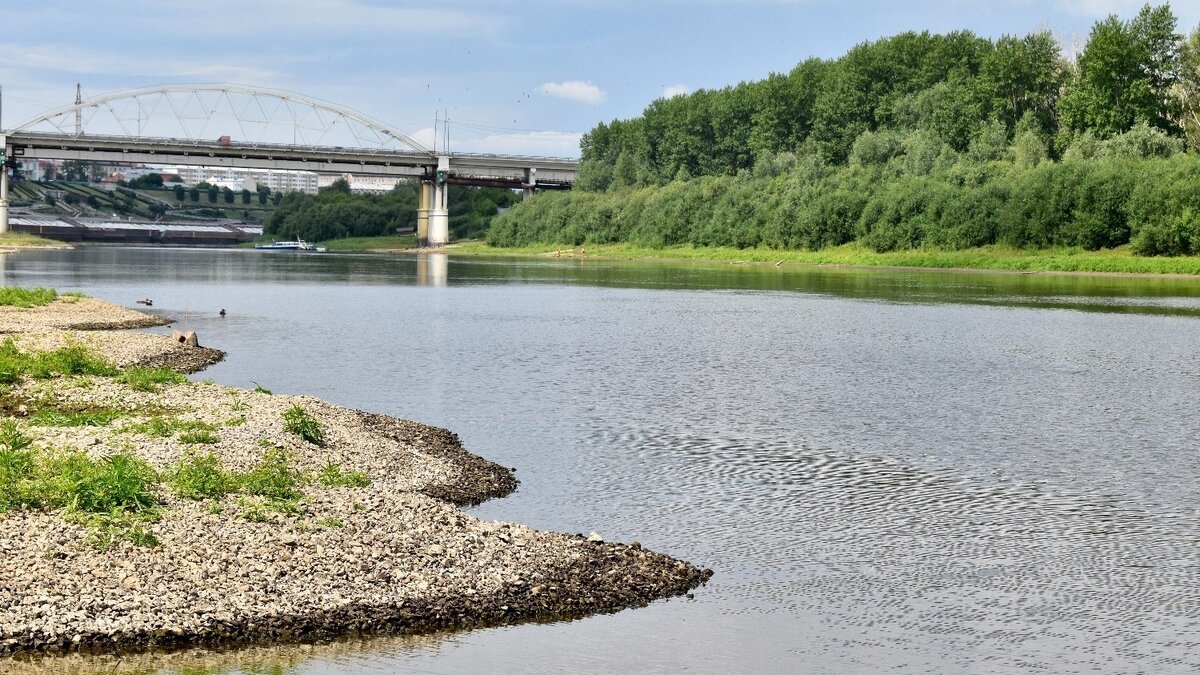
(248,127)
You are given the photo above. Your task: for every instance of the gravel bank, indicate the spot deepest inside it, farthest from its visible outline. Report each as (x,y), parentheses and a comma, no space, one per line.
(397,556)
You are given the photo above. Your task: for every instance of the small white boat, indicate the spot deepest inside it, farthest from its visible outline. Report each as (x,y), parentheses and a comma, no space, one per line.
(298,245)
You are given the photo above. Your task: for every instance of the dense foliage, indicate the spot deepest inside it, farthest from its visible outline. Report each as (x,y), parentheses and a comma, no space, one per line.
(914,140)
(336,213)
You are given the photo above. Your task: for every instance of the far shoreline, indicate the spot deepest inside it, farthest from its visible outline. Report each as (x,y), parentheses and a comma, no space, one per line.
(991,260)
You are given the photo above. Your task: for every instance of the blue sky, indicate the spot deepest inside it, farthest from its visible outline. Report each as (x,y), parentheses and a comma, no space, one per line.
(522,77)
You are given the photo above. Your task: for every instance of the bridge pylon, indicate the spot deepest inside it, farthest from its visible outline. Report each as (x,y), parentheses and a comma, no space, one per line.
(439,212)
(423,207)
(3,184)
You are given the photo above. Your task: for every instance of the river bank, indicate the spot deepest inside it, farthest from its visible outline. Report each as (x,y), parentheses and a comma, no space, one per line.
(988,258)
(367,539)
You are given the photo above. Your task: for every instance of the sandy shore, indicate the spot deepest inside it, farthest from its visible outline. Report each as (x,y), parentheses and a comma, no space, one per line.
(397,556)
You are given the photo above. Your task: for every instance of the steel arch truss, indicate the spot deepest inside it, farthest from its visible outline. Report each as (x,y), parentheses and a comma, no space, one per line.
(248,115)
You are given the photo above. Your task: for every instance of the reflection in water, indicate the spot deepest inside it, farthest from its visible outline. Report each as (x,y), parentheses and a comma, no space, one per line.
(897,470)
(432,269)
(279,659)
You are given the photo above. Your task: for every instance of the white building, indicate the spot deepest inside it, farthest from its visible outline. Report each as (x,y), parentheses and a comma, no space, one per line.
(376,185)
(236,179)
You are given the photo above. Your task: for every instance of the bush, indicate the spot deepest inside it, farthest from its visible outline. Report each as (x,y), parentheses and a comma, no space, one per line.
(298,421)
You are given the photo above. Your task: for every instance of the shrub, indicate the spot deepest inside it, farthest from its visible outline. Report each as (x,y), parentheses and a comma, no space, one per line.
(298,421)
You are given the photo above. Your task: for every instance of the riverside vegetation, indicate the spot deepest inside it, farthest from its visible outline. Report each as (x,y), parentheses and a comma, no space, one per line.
(141,510)
(914,142)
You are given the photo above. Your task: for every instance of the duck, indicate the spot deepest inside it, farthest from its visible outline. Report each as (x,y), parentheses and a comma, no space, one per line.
(147,302)
(222,312)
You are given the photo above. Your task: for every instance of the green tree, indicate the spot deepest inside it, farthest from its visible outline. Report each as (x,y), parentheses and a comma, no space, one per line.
(194,193)
(1188,90)
(179,192)
(213,191)
(1125,75)
(1024,76)
(245,196)
(227,195)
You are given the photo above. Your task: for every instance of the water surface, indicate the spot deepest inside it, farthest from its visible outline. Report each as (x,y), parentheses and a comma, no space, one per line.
(887,470)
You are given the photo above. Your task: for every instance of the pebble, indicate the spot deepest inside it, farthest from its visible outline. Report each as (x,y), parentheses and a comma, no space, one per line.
(404,557)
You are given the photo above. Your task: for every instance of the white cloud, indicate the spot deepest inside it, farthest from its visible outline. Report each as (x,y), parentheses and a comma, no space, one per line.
(534,143)
(1101,8)
(675,90)
(574,90)
(424,136)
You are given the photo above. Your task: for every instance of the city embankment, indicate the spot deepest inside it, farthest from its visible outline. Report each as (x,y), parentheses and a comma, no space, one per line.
(142,511)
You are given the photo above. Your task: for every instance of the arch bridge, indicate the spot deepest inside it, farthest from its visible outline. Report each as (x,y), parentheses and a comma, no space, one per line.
(225,125)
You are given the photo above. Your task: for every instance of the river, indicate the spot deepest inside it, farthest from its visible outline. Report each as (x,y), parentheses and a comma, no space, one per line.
(887,470)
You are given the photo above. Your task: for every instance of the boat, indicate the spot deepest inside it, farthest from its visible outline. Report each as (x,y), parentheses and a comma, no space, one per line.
(298,245)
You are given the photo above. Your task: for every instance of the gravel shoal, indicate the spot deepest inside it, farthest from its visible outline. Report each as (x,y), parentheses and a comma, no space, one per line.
(395,557)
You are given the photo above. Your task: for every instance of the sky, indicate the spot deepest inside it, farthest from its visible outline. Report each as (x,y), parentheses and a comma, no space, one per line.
(525,77)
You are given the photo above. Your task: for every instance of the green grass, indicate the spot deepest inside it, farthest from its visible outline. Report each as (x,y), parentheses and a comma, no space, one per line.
(71,359)
(330,523)
(201,477)
(150,379)
(1060,259)
(332,475)
(114,496)
(298,421)
(14,296)
(261,389)
(92,417)
(384,243)
(273,477)
(26,240)
(199,436)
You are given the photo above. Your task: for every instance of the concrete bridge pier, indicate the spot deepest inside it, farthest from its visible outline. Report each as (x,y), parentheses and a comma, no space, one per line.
(3,198)
(423,207)
(530,187)
(439,213)
(3,184)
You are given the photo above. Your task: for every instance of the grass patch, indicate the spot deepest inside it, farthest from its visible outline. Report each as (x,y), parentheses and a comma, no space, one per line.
(381,243)
(12,239)
(298,421)
(331,523)
(332,475)
(201,477)
(71,359)
(106,529)
(261,389)
(200,436)
(1058,259)
(238,421)
(273,477)
(114,496)
(92,417)
(14,296)
(150,379)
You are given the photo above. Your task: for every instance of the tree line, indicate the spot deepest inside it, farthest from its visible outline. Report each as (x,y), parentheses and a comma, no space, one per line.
(335,212)
(918,139)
